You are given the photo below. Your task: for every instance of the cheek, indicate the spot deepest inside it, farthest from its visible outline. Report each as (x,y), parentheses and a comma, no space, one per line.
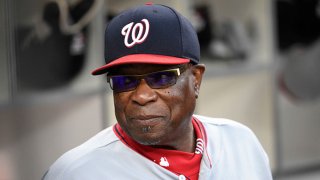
(180,98)
(181,89)
(119,106)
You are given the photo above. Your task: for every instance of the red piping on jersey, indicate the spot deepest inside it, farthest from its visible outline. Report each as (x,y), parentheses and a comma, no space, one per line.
(205,137)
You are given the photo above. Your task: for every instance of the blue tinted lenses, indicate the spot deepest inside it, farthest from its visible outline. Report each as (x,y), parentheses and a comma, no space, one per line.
(155,80)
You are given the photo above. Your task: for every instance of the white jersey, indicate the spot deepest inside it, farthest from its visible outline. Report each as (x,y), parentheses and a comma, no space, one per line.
(232,153)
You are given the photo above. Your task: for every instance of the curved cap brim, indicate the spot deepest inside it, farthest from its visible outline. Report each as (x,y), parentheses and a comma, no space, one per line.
(141,59)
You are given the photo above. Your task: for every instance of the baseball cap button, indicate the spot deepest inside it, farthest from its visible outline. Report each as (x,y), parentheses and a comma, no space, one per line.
(182,177)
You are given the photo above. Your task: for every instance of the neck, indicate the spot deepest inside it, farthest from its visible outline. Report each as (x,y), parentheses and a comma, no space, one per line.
(185,142)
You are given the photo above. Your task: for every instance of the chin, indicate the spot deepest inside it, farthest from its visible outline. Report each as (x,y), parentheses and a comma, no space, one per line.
(147,136)
(148,141)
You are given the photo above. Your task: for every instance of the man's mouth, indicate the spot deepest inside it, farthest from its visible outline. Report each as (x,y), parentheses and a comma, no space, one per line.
(149,121)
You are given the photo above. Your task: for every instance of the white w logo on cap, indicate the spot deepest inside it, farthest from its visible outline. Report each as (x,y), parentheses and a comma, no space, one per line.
(139,32)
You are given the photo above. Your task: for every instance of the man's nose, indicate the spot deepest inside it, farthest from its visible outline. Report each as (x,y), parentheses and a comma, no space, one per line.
(144,94)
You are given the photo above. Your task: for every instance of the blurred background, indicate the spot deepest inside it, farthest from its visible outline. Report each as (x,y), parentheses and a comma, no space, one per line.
(262,59)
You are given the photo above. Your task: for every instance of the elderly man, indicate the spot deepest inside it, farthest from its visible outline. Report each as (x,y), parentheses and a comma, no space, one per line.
(152,65)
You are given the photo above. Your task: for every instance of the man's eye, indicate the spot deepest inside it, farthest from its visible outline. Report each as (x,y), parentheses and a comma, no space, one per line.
(163,76)
(160,77)
(128,80)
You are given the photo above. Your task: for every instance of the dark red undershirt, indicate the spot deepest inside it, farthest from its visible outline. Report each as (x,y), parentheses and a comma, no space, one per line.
(178,162)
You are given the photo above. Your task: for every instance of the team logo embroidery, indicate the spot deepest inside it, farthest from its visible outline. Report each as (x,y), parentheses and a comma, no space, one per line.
(164,162)
(199,146)
(138,32)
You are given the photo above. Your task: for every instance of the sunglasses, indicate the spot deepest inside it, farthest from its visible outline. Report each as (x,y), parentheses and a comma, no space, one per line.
(155,80)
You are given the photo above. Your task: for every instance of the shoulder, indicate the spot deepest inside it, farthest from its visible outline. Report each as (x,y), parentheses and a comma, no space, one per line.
(229,133)
(221,123)
(76,156)
(232,145)
(226,135)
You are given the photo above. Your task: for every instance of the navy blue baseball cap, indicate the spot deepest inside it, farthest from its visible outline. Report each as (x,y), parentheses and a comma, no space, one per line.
(149,34)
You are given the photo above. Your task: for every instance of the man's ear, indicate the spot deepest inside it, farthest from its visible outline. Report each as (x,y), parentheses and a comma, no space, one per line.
(198,71)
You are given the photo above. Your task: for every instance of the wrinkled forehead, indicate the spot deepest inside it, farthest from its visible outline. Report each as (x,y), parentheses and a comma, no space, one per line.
(136,69)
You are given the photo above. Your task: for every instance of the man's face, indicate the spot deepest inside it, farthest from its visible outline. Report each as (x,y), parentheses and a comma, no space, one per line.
(158,116)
